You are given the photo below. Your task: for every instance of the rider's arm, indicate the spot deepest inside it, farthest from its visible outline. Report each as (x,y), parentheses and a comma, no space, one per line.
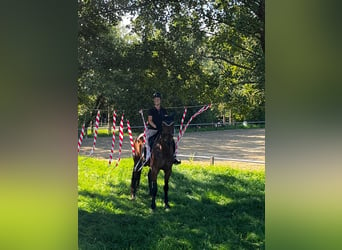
(150,121)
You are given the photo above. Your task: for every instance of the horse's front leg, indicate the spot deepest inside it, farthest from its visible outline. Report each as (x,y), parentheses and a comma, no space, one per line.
(154,188)
(166,187)
(149,176)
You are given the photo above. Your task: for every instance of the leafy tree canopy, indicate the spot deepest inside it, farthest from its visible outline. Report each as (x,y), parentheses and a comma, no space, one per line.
(193,52)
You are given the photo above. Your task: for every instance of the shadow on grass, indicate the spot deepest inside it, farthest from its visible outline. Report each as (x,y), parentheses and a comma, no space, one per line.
(223,212)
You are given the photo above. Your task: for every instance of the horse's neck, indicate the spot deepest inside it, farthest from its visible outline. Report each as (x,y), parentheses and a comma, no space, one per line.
(166,137)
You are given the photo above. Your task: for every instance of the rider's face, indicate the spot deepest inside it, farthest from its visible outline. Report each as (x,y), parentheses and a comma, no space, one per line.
(156,101)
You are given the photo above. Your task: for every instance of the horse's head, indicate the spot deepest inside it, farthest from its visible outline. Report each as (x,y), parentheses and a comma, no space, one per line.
(167,126)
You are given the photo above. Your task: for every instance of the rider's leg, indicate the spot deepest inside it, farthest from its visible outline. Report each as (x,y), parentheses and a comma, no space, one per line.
(150,137)
(175,161)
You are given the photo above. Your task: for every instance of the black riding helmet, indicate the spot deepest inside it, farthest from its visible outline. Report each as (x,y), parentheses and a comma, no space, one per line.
(156,94)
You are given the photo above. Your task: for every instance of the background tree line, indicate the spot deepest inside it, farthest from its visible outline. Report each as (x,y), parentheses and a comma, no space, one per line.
(192,51)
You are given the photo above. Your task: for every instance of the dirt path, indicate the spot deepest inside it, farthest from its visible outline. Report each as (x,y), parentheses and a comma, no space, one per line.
(245,144)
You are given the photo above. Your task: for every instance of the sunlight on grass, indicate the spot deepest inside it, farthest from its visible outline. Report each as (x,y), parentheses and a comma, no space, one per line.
(212,207)
(218,198)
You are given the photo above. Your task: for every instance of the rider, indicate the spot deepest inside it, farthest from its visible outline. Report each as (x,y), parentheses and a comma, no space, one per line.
(155,119)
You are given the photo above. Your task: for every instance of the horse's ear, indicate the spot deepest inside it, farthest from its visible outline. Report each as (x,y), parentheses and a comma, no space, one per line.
(168,123)
(168,119)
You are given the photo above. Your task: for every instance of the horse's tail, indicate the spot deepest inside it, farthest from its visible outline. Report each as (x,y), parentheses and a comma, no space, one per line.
(138,145)
(139,154)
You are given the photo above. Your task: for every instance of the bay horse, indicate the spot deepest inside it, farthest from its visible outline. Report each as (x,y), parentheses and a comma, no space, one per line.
(162,153)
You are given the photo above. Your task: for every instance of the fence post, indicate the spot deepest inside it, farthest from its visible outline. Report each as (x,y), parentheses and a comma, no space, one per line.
(212,160)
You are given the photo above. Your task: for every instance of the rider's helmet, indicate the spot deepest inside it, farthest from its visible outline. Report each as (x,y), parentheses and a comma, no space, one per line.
(156,94)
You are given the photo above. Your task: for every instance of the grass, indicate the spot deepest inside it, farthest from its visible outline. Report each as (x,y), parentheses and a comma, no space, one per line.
(212,207)
(103,132)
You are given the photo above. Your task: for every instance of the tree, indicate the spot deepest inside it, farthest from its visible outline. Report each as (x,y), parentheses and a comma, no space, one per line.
(192,51)
(230,34)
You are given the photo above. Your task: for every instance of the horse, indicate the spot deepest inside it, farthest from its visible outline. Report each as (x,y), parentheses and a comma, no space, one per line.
(162,153)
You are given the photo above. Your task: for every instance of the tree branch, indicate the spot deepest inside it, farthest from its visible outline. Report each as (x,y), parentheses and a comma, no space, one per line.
(228,61)
(236,45)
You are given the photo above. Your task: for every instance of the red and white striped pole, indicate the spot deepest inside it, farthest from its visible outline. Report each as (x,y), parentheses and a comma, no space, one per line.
(180,129)
(120,139)
(113,139)
(96,128)
(145,128)
(130,137)
(145,123)
(81,138)
(204,108)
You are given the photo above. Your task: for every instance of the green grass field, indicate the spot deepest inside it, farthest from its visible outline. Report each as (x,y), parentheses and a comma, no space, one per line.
(212,207)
